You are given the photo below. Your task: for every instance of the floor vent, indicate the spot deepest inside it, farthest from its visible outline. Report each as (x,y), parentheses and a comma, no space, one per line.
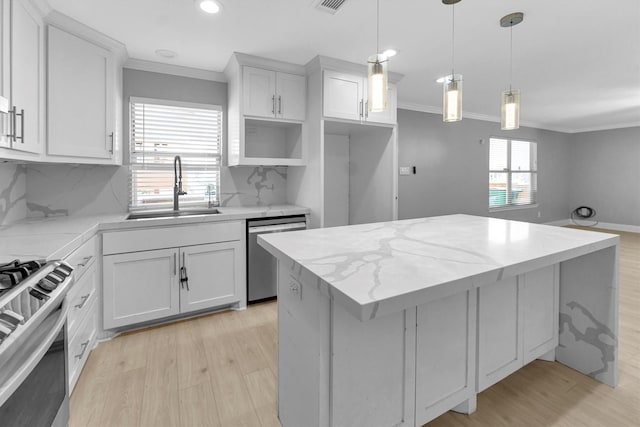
(331,6)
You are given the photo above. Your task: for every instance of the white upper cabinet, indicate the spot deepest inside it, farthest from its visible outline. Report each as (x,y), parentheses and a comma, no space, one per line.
(292,98)
(345,97)
(81,99)
(266,112)
(259,92)
(22,79)
(390,115)
(273,94)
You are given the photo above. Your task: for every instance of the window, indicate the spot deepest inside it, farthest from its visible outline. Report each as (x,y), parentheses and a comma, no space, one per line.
(161,130)
(513,173)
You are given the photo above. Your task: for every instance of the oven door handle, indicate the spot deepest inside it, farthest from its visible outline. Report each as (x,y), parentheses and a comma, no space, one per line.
(23,371)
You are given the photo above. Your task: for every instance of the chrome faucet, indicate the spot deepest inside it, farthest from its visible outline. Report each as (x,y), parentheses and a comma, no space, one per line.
(177,178)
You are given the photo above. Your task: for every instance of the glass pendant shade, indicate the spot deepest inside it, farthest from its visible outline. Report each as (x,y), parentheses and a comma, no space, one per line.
(377,83)
(452,98)
(510,109)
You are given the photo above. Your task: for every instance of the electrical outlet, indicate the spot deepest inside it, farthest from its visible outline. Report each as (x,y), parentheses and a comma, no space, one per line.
(405,170)
(539,214)
(295,288)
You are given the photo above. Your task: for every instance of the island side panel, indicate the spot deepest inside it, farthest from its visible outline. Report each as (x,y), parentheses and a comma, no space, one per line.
(446,355)
(303,349)
(588,340)
(372,369)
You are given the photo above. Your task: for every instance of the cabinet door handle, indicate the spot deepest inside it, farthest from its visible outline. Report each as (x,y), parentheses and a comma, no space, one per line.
(273,104)
(84,299)
(21,137)
(175,268)
(279,104)
(84,346)
(13,124)
(112,142)
(184,278)
(84,261)
(366,110)
(360,109)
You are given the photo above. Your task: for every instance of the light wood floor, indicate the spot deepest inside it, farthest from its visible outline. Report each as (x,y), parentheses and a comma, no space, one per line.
(220,370)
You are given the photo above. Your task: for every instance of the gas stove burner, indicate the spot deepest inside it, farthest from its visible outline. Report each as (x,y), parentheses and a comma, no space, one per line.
(14,272)
(28,293)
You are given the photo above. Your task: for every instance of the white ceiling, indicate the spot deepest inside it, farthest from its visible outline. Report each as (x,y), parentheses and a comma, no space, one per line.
(576,62)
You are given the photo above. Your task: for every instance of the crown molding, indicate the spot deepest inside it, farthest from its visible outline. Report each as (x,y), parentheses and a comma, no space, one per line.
(322,62)
(608,127)
(176,70)
(477,116)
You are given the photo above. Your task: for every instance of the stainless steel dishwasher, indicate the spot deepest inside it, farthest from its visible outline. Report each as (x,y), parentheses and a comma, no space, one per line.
(262,274)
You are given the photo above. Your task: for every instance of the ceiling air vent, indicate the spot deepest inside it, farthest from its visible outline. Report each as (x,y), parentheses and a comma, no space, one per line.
(331,6)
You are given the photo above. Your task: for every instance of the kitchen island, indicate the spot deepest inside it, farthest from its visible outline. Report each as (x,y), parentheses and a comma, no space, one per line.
(395,323)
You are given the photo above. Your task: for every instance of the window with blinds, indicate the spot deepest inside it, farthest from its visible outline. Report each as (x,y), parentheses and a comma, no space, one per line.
(513,173)
(161,130)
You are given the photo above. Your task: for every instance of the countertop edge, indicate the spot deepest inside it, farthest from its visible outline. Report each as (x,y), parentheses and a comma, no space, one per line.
(369,310)
(75,231)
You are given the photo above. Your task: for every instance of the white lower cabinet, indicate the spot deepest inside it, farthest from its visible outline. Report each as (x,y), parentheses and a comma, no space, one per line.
(211,271)
(140,286)
(82,319)
(154,284)
(517,323)
(81,344)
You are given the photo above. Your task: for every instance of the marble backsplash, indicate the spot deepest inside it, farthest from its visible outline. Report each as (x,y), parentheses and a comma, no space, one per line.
(13,189)
(59,189)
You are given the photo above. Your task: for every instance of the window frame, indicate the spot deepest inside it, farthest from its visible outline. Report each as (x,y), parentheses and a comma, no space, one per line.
(130,149)
(533,170)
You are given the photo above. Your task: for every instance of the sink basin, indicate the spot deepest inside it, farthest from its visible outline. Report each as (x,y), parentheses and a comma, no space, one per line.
(172,214)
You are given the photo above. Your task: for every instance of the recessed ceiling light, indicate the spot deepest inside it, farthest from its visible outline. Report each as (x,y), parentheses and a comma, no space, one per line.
(441,79)
(209,6)
(166,53)
(390,52)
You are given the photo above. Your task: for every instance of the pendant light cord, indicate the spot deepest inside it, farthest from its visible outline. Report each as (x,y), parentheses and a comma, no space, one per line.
(453,42)
(378,28)
(510,56)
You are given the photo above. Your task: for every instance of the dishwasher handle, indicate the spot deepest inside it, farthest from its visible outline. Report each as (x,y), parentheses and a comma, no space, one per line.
(278,228)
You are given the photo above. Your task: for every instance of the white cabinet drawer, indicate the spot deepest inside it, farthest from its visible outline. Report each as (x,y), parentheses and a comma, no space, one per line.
(170,237)
(82,258)
(81,297)
(81,345)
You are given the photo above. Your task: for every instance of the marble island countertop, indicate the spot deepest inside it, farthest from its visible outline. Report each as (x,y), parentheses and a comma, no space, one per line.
(380,268)
(56,237)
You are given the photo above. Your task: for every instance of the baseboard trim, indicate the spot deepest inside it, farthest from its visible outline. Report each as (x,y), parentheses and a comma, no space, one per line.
(559,223)
(602,225)
(618,227)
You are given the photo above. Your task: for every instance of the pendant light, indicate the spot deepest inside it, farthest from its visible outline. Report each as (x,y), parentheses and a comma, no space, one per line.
(452,86)
(377,76)
(511,98)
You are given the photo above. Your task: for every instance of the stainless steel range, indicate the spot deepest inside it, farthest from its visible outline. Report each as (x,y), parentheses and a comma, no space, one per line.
(33,343)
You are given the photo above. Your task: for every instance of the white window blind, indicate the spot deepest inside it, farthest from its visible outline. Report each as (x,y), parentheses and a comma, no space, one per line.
(513,174)
(161,130)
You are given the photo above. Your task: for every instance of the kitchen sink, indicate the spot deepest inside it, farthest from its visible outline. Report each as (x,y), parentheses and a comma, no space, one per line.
(172,214)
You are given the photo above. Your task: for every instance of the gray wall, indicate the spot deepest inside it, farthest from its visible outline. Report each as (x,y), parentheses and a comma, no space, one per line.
(58,189)
(452,168)
(604,173)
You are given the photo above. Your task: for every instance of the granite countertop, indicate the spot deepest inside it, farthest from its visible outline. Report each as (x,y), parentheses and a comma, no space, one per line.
(373,269)
(57,237)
